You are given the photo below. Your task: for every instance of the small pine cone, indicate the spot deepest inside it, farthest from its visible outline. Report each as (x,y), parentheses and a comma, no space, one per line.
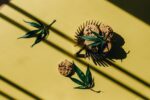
(66,68)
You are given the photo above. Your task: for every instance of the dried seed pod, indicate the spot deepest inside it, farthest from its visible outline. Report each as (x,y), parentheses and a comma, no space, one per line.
(66,68)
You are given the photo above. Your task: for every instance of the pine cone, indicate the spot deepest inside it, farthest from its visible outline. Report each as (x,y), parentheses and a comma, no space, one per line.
(66,68)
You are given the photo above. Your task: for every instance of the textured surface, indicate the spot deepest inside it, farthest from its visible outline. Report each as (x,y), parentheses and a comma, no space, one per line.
(36,69)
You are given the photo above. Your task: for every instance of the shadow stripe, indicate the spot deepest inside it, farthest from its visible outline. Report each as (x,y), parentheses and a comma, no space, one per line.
(19,88)
(7,96)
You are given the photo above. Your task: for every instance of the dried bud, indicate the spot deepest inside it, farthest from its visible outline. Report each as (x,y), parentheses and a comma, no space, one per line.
(89,29)
(66,68)
(107,31)
(88,32)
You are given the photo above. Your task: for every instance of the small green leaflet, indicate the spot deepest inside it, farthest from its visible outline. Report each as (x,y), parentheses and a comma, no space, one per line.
(30,34)
(96,34)
(89,38)
(34,24)
(81,87)
(80,74)
(86,81)
(77,81)
(98,40)
(94,44)
(89,76)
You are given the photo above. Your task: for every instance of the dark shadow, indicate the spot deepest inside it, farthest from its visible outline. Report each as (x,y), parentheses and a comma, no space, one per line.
(19,88)
(117,52)
(7,96)
(55,46)
(98,57)
(2,2)
(138,8)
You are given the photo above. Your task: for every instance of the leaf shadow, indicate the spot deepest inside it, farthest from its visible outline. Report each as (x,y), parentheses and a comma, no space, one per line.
(117,52)
(7,95)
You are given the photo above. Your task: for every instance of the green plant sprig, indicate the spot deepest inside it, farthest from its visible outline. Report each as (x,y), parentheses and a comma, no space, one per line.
(85,81)
(41,31)
(99,40)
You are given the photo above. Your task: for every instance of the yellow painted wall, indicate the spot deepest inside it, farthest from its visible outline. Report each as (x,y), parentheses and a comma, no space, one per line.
(35,69)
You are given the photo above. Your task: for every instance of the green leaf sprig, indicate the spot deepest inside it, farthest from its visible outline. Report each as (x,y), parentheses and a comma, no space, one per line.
(99,40)
(85,81)
(41,31)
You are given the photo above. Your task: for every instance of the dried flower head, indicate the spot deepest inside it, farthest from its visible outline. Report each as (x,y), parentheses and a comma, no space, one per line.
(87,31)
(106,31)
(96,38)
(85,81)
(66,68)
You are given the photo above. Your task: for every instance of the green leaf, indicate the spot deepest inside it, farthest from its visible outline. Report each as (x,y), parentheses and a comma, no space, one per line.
(80,74)
(102,44)
(96,34)
(38,39)
(40,36)
(30,34)
(81,87)
(89,38)
(34,24)
(92,83)
(77,81)
(99,40)
(89,76)
(45,32)
(94,44)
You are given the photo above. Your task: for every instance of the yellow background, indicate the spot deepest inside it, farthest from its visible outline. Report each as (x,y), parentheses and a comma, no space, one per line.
(35,68)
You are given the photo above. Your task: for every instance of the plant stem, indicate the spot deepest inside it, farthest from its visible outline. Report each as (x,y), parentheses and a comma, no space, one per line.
(51,24)
(81,55)
(95,90)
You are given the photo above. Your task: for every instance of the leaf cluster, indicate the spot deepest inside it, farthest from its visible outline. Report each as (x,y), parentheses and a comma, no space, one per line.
(98,41)
(41,31)
(85,81)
